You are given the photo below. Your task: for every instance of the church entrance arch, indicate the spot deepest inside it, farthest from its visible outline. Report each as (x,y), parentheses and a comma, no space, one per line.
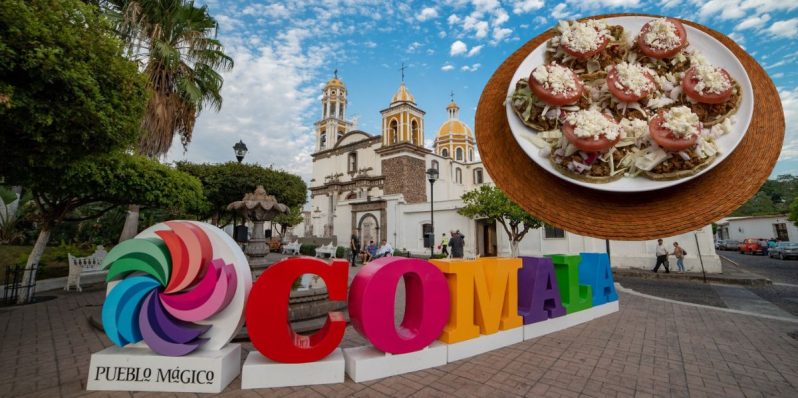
(369,229)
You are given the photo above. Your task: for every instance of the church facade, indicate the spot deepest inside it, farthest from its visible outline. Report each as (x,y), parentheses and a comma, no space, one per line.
(375,186)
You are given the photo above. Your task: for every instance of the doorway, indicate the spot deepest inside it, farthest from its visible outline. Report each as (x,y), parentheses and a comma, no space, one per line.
(486,239)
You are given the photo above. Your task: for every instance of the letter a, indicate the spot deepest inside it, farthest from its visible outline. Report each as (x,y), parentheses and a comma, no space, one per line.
(595,271)
(538,293)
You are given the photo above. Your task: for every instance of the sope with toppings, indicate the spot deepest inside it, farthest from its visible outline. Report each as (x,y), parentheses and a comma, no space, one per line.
(662,38)
(555,85)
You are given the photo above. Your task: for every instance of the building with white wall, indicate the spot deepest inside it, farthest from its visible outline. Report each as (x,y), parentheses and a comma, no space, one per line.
(375,185)
(778,227)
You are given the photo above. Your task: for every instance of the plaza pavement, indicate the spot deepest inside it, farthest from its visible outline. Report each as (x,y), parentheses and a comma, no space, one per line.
(650,348)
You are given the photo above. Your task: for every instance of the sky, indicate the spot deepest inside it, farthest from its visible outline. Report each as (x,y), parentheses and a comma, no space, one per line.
(285,51)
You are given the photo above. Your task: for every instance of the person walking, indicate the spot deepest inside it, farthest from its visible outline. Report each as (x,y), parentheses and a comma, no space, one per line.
(457,242)
(354,248)
(445,245)
(662,257)
(679,253)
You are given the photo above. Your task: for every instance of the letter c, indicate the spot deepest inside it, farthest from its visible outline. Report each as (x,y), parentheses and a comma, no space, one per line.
(267,311)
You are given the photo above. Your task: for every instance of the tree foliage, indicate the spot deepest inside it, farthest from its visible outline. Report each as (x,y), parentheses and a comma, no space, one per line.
(776,196)
(228,182)
(66,91)
(290,219)
(489,202)
(175,41)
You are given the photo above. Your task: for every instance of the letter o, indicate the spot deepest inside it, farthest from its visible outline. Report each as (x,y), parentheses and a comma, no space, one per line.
(371,304)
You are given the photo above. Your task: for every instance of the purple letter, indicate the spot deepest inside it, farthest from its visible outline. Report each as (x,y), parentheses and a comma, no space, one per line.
(538,294)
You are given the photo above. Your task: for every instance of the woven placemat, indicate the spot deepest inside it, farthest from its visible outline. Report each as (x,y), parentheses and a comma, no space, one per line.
(630,216)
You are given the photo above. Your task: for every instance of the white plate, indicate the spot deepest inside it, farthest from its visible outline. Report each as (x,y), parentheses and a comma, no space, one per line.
(715,52)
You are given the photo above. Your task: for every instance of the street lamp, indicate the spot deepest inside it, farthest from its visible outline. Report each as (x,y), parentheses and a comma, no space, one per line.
(240,149)
(432,176)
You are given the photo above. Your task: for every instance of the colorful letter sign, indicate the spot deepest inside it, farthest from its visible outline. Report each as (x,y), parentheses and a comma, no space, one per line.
(484,295)
(371,304)
(267,311)
(594,270)
(575,297)
(538,292)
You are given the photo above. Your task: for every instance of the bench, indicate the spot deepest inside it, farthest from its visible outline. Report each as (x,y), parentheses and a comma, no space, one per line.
(291,248)
(84,265)
(326,251)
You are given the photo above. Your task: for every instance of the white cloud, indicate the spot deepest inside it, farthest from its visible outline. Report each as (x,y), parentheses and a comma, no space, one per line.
(370,44)
(737,38)
(413,47)
(474,50)
(778,75)
(594,4)
(670,3)
(500,17)
(500,34)
(753,22)
(427,13)
(787,28)
(525,6)
(474,24)
(789,101)
(472,68)
(458,48)
(558,12)
(447,67)
(453,19)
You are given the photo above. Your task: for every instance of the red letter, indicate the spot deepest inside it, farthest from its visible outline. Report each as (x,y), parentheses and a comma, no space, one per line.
(371,304)
(267,311)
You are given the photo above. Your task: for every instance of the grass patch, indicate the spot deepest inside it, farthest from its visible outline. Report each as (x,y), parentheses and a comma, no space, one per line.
(53,264)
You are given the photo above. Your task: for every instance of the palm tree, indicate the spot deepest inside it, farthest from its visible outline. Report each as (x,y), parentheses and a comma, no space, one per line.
(175,43)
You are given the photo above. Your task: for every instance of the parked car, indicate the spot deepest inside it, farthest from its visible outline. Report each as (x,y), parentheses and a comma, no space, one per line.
(726,244)
(753,246)
(730,244)
(784,250)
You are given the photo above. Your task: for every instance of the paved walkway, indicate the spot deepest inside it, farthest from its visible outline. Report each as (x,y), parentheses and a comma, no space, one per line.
(649,348)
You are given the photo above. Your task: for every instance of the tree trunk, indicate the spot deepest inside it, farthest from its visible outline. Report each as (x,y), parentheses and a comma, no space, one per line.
(29,278)
(513,248)
(131,227)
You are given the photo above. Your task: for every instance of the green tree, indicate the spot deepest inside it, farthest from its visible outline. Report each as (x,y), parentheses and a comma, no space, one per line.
(176,44)
(66,91)
(287,220)
(94,185)
(12,210)
(228,182)
(489,202)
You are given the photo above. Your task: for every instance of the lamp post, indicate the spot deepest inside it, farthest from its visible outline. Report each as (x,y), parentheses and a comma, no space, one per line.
(432,176)
(240,150)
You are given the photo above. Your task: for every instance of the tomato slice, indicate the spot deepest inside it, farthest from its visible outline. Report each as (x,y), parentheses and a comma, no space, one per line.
(587,54)
(665,138)
(588,144)
(688,85)
(624,94)
(546,95)
(658,53)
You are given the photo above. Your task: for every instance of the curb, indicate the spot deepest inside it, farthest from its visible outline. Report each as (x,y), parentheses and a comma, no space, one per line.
(644,274)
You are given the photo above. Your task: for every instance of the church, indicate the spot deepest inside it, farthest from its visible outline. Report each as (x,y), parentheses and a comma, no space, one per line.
(375,185)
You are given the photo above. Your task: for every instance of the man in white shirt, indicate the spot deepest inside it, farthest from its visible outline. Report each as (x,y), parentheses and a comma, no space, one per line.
(385,249)
(662,257)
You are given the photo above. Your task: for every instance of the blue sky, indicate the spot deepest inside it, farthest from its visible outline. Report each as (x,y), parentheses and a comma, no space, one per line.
(285,52)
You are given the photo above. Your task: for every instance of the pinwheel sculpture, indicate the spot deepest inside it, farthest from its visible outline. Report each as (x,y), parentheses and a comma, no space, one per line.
(161,287)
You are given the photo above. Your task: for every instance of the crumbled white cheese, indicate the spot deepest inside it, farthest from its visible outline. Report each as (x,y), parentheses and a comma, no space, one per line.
(681,121)
(633,78)
(650,158)
(661,35)
(555,78)
(592,123)
(633,128)
(583,36)
(711,79)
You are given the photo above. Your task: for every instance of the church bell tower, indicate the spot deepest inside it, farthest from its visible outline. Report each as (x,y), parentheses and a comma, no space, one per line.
(333,124)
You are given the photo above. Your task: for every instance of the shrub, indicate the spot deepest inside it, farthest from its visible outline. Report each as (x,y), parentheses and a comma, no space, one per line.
(340,252)
(307,250)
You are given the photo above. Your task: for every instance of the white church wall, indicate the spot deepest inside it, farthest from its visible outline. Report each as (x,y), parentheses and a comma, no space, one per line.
(414,216)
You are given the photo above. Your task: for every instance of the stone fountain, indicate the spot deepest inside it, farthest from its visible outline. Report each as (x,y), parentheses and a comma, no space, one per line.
(258,207)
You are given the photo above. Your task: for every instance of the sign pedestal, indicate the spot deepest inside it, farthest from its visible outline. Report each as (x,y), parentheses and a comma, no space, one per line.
(552,325)
(368,363)
(140,369)
(484,343)
(262,372)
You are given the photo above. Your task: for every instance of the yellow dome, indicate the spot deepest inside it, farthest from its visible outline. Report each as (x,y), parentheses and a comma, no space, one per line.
(452,105)
(403,95)
(454,127)
(335,82)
